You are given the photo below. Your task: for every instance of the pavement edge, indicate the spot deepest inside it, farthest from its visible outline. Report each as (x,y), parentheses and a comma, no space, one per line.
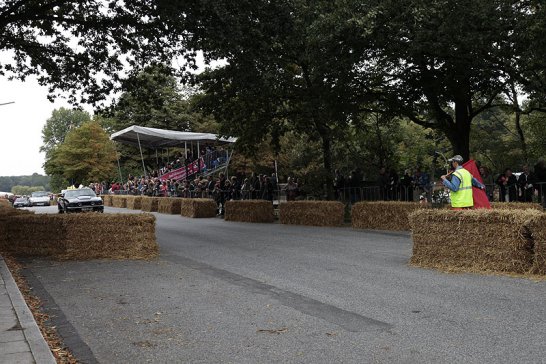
(38,346)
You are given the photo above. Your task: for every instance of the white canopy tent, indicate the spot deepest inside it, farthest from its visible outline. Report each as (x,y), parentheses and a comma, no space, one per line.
(153,138)
(159,138)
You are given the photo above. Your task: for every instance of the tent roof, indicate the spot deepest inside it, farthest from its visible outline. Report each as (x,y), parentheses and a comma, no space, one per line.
(159,138)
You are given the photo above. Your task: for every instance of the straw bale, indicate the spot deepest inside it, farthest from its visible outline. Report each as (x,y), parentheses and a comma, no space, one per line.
(383,215)
(107,200)
(249,211)
(82,236)
(119,201)
(4,203)
(198,207)
(472,240)
(134,202)
(149,204)
(516,206)
(169,205)
(536,228)
(312,213)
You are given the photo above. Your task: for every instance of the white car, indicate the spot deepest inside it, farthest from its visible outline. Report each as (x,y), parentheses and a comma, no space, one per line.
(39,198)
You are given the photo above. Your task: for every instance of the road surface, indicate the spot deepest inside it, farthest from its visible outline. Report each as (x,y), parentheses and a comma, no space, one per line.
(265,293)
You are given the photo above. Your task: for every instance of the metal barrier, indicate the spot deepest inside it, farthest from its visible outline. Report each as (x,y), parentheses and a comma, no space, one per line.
(436,194)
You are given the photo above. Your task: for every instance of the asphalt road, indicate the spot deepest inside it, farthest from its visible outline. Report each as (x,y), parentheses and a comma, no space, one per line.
(327,295)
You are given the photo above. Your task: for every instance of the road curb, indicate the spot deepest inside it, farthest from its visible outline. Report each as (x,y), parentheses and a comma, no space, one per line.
(38,346)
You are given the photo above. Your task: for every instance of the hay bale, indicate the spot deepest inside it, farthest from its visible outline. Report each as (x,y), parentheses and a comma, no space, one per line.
(383,215)
(107,200)
(312,213)
(82,236)
(134,202)
(249,211)
(119,202)
(4,203)
(169,205)
(516,206)
(536,227)
(198,207)
(472,240)
(149,204)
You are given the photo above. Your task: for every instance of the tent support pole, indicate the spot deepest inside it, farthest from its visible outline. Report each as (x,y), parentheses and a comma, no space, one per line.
(156,159)
(227,163)
(185,151)
(119,169)
(141,156)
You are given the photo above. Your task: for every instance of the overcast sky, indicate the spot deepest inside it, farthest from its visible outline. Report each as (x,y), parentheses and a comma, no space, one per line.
(21,126)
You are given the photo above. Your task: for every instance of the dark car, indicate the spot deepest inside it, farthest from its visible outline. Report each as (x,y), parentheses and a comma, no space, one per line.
(80,200)
(22,202)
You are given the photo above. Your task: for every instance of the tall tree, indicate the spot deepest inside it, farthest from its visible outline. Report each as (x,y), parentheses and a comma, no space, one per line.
(445,62)
(87,155)
(59,124)
(286,69)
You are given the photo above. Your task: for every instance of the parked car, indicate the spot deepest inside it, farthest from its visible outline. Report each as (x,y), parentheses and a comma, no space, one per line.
(39,198)
(22,202)
(80,200)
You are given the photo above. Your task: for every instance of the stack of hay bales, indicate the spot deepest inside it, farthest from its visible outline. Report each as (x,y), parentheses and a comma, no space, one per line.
(198,207)
(516,206)
(473,240)
(122,236)
(383,215)
(82,236)
(249,211)
(312,213)
(6,212)
(536,227)
(119,201)
(4,203)
(107,200)
(134,202)
(169,205)
(150,204)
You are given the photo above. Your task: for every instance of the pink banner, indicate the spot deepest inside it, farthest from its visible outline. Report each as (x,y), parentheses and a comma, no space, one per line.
(180,173)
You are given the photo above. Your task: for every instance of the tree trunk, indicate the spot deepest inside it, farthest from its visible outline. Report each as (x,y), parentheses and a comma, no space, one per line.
(517,111)
(458,135)
(458,132)
(327,161)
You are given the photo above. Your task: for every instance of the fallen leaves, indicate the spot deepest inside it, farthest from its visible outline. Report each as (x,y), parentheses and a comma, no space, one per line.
(282,330)
(61,353)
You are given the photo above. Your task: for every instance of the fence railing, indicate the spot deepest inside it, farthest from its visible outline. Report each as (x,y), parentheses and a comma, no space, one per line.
(436,194)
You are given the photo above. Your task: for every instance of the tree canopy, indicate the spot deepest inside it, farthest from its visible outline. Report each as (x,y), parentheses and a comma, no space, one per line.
(87,155)
(83,47)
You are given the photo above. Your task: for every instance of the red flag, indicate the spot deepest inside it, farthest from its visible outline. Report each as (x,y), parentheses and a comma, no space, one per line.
(480,197)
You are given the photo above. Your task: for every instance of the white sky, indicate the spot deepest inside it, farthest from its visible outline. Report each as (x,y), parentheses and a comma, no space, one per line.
(21,126)
(21,123)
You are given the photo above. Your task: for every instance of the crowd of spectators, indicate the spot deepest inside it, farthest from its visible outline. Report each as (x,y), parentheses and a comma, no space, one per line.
(413,185)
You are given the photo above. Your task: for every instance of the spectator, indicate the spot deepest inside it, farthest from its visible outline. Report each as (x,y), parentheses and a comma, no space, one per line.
(383,181)
(488,181)
(406,186)
(508,186)
(539,181)
(291,190)
(339,184)
(525,185)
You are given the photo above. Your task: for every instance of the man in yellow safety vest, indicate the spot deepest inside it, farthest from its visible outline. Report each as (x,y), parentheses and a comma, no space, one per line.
(461,185)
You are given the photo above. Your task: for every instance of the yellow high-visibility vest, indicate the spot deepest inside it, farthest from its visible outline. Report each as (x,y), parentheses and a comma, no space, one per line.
(463,197)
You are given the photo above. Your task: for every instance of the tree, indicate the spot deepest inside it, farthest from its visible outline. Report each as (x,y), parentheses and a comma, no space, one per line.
(445,62)
(59,124)
(26,190)
(286,70)
(153,98)
(87,155)
(84,45)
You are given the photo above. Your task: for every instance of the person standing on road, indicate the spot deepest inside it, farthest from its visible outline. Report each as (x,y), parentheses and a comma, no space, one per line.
(460,185)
